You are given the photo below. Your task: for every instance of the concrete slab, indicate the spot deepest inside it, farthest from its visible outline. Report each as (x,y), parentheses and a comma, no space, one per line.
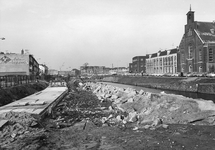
(37,103)
(2,123)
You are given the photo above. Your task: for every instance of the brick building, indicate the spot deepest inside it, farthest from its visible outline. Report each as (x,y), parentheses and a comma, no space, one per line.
(138,64)
(163,62)
(197,46)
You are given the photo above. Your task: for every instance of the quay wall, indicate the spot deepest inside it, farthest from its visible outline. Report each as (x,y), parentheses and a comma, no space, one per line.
(189,84)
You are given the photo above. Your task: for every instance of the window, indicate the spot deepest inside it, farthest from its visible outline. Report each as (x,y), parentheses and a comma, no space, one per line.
(190,51)
(172,60)
(190,68)
(200,55)
(212,31)
(200,68)
(175,60)
(182,57)
(210,55)
(141,59)
(168,61)
(189,16)
(134,59)
(189,33)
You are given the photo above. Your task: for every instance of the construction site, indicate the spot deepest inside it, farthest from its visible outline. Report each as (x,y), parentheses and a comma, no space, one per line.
(83,115)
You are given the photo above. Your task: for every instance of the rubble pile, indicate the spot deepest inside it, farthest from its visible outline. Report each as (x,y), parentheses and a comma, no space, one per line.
(78,106)
(19,125)
(148,110)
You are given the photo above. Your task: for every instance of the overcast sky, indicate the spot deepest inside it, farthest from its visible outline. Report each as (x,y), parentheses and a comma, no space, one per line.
(65,34)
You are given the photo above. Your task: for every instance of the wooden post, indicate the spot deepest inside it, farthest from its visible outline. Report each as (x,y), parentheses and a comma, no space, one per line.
(0,82)
(11,81)
(5,81)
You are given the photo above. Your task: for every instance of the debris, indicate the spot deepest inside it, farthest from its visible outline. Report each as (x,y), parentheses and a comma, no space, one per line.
(144,106)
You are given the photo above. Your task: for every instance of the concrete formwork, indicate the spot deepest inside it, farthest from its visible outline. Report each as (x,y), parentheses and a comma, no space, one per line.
(37,104)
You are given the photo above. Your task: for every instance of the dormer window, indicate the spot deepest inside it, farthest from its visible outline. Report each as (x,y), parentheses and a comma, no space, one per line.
(212,31)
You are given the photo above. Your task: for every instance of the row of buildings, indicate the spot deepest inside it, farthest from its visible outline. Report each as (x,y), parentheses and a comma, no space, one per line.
(102,70)
(166,61)
(25,64)
(73,72)
(195,53)
(21,64)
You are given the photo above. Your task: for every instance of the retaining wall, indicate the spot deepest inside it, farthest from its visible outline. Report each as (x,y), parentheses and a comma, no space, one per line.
(191,84)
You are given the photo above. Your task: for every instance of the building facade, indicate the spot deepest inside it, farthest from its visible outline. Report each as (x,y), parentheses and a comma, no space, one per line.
(43,69)
(75,72)
(197,46)
(52,72)
(93,70)
(18,64)
(163,62)
(138,64)
(118,70)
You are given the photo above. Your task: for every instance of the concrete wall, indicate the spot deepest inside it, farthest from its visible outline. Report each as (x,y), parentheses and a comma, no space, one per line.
(200,85)
(206,88)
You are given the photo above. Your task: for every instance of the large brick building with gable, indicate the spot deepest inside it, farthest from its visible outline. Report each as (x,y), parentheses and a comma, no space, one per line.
(197,46)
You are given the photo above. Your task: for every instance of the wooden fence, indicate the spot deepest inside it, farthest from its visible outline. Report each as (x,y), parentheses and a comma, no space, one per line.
(7,81)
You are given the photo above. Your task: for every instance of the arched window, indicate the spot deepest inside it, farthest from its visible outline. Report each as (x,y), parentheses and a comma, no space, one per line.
(190,68)
(200,68)
(200,55)
(190,51)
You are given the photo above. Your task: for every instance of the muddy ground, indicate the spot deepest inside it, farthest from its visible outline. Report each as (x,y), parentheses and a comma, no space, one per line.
(82,122)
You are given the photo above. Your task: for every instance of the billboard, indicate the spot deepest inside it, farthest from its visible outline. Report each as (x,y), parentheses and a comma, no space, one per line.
(14,64)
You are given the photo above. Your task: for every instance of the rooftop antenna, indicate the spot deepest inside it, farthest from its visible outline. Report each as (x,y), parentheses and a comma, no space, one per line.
(190,7)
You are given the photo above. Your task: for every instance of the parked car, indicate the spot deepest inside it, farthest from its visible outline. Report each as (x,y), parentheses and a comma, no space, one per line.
(191,74)
(211,75)
(176,75)
(201,74)
(167,75)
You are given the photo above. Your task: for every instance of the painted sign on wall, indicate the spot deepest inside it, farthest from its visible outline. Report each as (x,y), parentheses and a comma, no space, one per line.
(14,64)
(15,60)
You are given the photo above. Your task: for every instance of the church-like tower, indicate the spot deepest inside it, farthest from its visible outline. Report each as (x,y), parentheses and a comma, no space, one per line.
(190,16)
